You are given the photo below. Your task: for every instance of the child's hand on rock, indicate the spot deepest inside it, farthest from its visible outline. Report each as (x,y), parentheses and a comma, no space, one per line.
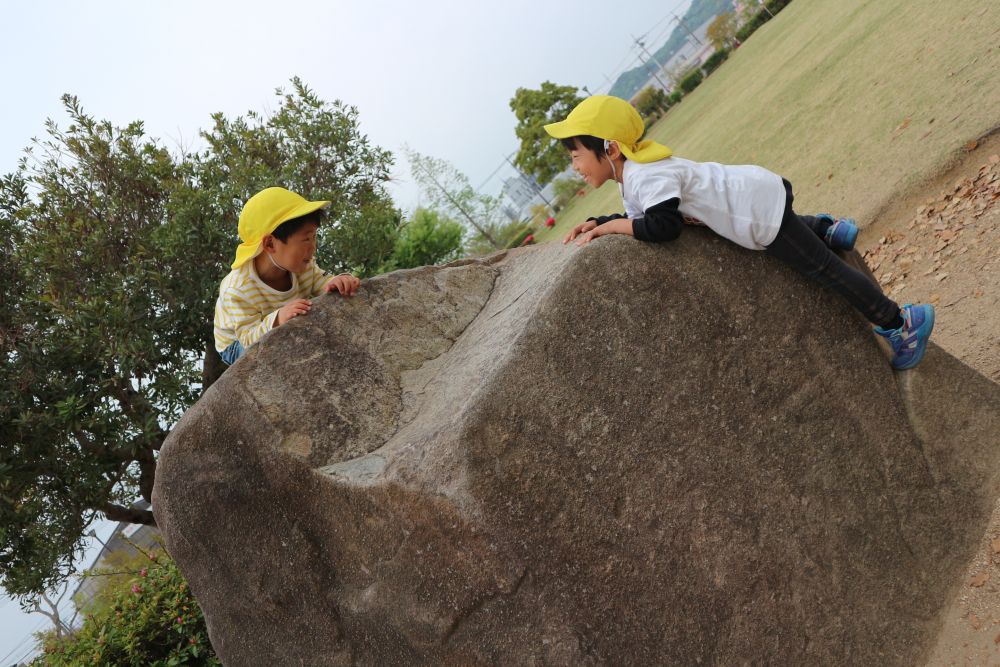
(293,309)
(345,283)
(582,228)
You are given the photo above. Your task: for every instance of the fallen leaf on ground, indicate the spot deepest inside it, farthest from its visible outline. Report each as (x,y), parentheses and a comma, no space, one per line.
(996,545)
(979,579)
(974,620)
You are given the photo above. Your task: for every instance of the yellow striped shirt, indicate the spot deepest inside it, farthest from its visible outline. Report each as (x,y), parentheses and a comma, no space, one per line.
(247,306)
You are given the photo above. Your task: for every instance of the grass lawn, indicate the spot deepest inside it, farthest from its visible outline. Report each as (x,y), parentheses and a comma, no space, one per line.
(853,101)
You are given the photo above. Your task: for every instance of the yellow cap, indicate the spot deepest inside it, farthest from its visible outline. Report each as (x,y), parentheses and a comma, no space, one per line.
(614,119)
(264,212)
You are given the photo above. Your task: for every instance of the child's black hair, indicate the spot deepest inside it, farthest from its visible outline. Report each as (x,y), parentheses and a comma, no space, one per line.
(593,144)
(289,227)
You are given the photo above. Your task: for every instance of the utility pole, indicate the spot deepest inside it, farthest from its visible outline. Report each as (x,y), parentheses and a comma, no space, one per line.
(659,67)
(684,25)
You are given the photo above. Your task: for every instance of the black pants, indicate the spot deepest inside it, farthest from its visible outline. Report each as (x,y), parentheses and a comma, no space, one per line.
(799,243)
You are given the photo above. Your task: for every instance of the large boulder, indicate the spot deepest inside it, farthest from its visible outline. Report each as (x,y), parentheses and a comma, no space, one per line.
(623,454)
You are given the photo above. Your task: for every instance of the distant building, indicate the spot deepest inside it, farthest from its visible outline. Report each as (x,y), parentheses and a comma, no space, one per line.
(520,189)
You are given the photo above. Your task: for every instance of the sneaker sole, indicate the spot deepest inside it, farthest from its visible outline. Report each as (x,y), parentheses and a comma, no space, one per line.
(927,326)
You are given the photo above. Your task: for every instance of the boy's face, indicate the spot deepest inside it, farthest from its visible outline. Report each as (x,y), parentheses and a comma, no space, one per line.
(298,251)
(593,169)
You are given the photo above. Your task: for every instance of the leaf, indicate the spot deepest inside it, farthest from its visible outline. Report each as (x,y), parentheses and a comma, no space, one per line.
(978,580)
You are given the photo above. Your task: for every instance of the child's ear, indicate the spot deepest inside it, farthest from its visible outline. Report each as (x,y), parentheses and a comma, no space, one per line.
(267,243)
(614,151)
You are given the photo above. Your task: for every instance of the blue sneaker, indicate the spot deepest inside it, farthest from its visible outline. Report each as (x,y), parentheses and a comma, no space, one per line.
(841,234)
(909,342)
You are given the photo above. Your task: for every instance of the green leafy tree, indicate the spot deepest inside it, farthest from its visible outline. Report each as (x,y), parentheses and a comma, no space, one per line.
(651,103)
(567,188)
(115,250)
(143,615)
(427,239)
(448,191)
(539,154)
(722,31)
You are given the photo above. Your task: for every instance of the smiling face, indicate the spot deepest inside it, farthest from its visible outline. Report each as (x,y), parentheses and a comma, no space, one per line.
(593,168)
(295,253)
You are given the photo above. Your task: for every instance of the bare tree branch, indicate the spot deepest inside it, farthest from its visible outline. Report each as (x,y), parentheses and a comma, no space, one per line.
(116,512)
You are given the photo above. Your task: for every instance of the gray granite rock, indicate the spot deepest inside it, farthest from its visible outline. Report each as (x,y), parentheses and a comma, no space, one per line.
(624,454)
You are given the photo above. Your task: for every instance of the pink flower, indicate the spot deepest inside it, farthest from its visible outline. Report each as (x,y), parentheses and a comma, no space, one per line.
(143,572)
(530,238)
(550,222)
(180,619)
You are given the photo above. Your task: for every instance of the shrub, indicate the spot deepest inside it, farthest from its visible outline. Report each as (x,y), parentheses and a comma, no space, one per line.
(429,238)
(714,61)
(760,18)
(691,81)
(147,618)
(676,96)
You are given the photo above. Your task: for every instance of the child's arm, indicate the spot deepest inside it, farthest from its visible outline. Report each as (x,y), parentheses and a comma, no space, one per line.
(659,223)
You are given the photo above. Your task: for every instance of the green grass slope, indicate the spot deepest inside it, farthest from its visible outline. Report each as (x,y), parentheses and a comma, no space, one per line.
(853,101)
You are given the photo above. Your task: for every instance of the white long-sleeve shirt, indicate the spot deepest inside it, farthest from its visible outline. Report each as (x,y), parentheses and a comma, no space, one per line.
(743,203)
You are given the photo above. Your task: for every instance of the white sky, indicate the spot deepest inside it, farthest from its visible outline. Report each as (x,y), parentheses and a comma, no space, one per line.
(436,75)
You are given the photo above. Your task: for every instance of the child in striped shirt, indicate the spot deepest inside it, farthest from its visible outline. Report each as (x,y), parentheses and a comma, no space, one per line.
(274,275)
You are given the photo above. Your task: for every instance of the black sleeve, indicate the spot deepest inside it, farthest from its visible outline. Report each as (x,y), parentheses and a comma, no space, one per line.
(659,223)
(605,218)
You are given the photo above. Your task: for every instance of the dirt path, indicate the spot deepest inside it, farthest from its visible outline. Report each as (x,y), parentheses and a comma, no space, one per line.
(941,244)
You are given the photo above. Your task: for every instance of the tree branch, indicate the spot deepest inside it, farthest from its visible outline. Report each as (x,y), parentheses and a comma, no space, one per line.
(116,512)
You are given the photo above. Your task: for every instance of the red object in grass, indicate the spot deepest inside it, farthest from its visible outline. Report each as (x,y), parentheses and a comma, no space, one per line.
(550,222)
(581,192)
(530,238)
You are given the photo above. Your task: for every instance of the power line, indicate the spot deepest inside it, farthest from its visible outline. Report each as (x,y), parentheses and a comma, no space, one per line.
(28,637)
(659,67)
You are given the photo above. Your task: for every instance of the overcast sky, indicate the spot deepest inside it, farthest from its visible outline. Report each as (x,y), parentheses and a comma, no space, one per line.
(435,75)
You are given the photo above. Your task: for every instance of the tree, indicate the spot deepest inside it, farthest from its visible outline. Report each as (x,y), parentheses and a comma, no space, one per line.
(114,256)
(722,31)
(143,615)
(565,189)
(651,103)
(428,238)
(448,191)
(539,154)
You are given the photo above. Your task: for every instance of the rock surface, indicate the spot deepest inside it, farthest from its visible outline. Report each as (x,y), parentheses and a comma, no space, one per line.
(624,454)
